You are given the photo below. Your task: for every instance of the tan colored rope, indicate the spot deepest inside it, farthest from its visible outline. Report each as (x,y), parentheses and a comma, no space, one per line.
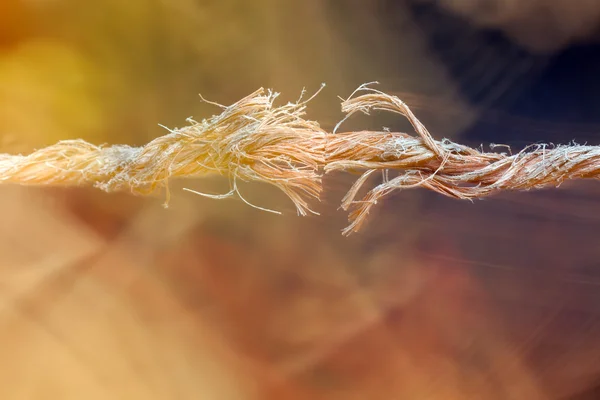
(443,166)
(249,140)
(254,141)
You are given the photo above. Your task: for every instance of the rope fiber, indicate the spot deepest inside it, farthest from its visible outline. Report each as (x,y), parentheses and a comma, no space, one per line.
(253,140)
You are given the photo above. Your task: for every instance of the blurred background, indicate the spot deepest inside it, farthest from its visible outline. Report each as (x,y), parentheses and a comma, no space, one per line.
(112,296)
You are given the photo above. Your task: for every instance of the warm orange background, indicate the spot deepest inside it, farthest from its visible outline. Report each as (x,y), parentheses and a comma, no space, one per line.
(111,296)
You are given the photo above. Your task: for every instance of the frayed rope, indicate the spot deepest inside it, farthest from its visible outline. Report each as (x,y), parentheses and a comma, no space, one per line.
(253,140)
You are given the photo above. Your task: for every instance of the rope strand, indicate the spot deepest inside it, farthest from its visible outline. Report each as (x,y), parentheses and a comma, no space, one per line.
(252,140)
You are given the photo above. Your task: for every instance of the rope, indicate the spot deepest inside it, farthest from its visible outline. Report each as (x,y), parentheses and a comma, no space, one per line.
(253,140)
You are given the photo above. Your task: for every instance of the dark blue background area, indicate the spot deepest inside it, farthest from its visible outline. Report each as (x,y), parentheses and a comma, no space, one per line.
(496,74)
(567,90)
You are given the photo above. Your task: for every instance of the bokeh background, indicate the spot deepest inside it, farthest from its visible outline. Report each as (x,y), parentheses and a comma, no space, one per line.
(112,296)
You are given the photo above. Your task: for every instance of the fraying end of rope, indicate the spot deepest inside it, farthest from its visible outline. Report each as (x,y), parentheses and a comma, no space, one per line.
(254,140)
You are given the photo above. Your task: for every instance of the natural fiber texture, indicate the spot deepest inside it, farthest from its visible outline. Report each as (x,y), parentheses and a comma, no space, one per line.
(443,166)
(254,141)
(249,140)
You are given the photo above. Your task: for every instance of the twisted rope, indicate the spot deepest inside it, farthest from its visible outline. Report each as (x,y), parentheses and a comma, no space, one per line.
(254,141)
(445,167)
(250,140)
